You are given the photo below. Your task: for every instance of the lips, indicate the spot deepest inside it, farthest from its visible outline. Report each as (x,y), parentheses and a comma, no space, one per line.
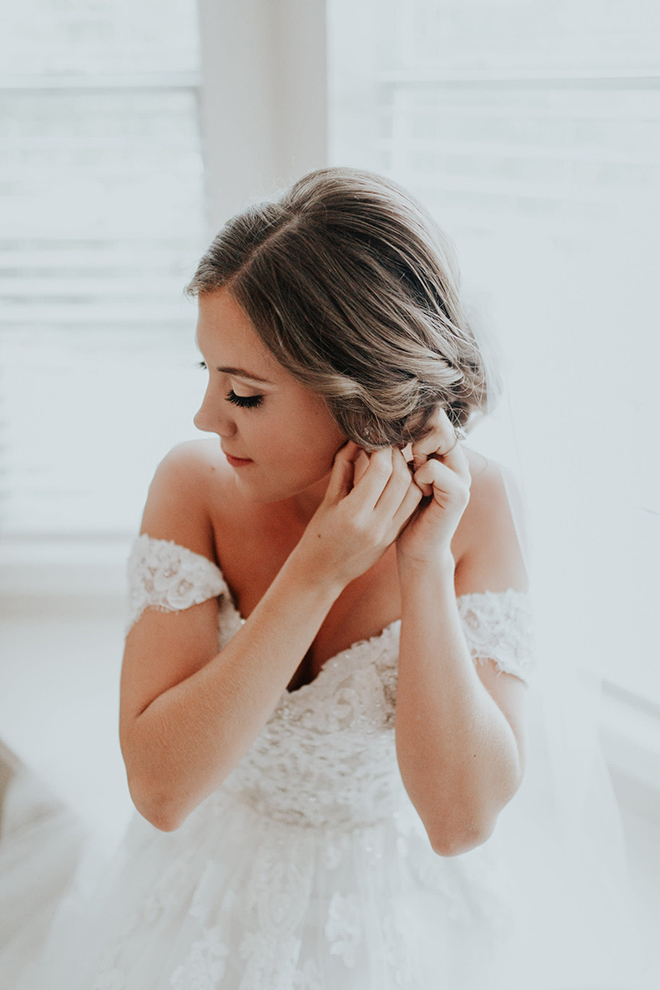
(238,461)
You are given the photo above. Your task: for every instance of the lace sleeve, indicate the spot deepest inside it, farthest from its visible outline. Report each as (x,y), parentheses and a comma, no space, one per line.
(168,577)
(498,626)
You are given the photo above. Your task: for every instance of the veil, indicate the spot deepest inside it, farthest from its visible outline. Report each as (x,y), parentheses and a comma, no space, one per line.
(574,916)
(572,923)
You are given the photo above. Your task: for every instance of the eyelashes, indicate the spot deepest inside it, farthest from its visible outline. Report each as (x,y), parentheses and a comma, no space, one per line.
(242,401)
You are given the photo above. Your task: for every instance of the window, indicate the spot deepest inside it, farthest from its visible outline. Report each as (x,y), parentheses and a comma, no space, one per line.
(531,132)
(101,189)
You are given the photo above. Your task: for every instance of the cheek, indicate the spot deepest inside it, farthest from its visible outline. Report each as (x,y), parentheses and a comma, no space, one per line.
(315,451)
(304,457)
(308,437)
(319,432)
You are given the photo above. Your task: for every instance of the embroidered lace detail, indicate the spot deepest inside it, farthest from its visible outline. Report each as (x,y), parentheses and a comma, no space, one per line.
(343,928)
(159,902)
(305,862)
(278,895)
(308,977)
(396,953)
(167,577)
(327,755)
(498,626)
(112,980)
(205,965)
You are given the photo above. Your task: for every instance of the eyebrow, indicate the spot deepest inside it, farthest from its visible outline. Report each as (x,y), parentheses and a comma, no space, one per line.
(242,373)
(238,372)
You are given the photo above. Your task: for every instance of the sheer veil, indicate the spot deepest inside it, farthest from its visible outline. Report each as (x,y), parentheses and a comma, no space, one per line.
(572,925)
(574,920)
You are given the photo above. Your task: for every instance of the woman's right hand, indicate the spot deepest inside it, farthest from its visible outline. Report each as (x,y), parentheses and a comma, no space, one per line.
(358,519)
(190,710)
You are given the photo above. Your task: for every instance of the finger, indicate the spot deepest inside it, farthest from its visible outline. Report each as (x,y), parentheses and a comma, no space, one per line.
(343,472)
(456,459)
(411,500)
(372,483)
(438,441)
(397,486)
(437,478)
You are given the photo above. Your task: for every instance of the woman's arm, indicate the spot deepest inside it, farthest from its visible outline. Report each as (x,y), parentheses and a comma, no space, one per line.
(188,712)
(459,727)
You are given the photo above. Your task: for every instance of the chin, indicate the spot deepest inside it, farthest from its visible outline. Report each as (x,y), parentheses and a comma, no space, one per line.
(278,490)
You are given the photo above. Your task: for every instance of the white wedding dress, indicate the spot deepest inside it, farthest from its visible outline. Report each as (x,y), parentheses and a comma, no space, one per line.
(309,868)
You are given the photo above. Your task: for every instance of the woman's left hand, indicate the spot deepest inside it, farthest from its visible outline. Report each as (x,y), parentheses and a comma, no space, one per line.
(440,469)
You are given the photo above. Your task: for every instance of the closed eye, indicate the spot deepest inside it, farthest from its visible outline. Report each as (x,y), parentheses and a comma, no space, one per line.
(244,401)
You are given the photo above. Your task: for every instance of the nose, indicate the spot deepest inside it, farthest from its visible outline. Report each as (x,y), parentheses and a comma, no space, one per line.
(212,420)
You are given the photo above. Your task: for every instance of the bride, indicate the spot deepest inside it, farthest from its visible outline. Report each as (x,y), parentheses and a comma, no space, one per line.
(325,676)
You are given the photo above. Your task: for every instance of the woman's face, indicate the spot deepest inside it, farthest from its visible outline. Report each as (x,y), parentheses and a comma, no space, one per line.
(278,436)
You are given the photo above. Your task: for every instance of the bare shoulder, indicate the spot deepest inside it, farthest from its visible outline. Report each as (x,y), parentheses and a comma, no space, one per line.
(491,558)
(488,491)
(190,480)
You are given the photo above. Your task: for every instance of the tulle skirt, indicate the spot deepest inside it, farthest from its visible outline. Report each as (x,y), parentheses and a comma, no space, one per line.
(236,901)
(41,841)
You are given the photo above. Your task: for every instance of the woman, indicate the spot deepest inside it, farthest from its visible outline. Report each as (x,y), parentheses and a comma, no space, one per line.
(322,699)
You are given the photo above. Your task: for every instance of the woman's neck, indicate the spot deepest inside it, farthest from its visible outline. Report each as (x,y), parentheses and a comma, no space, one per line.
(305,503)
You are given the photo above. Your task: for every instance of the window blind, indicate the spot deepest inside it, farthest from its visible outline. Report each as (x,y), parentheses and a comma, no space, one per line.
(531,131)
(101,193)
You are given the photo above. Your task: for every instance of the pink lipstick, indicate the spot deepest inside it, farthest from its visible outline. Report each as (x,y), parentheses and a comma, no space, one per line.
(237,462)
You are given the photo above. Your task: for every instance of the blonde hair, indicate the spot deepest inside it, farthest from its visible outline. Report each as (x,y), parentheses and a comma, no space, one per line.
(354,289)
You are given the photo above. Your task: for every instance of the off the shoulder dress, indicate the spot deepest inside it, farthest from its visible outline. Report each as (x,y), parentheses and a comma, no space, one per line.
(308,868)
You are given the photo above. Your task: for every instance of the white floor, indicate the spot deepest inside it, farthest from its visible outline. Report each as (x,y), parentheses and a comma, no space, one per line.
(59,670)
(643,838)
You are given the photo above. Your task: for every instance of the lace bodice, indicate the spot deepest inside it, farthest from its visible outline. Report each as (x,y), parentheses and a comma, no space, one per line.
(326,756)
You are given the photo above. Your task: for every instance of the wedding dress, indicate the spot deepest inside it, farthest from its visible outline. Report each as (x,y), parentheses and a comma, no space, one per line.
(309,868)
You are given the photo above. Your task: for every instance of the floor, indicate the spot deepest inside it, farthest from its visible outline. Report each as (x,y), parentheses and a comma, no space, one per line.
(59,671)
(643,838)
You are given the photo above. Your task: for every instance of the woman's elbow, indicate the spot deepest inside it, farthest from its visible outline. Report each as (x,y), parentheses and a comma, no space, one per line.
(160,810)
(456,837)
(164,821)
(156,804)
(154,801)
(453,842)
(459,832)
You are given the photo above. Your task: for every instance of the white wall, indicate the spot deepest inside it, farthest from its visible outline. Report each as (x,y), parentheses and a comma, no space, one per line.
(263,104)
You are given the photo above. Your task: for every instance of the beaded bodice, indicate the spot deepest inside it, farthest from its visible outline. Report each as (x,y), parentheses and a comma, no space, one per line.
(326,757)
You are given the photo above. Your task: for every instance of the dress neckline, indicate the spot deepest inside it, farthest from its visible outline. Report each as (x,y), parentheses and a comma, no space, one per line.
(369,640)
(327,664)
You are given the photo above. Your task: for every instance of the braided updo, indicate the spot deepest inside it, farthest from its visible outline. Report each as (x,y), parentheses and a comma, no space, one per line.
(354,290)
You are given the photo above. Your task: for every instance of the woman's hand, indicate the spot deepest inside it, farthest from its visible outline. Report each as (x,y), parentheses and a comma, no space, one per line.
(441,472)
(359,518)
